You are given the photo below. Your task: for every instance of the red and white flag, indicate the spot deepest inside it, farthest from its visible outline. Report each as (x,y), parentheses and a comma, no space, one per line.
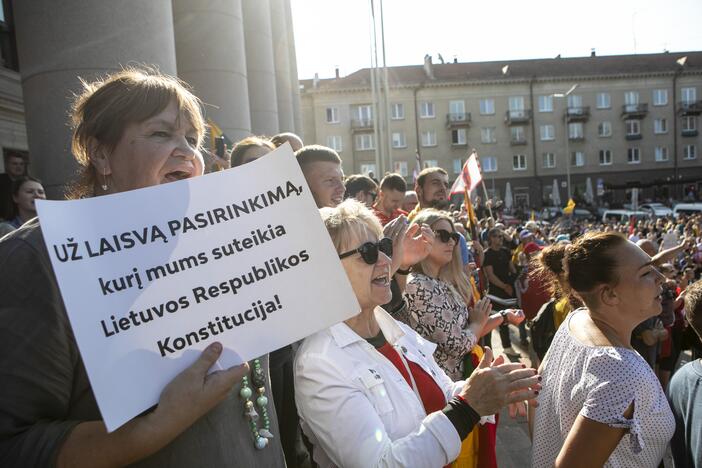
(470,176)
(417,167)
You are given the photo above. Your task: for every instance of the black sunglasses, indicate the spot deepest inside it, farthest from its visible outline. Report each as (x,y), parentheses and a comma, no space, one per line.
(445,236)
(369,250)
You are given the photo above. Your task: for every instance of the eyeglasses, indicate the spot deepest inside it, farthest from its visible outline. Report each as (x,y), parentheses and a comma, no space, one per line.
(445,236)
(369,250)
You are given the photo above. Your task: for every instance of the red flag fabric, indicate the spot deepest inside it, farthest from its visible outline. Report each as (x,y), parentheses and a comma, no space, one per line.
(469,177)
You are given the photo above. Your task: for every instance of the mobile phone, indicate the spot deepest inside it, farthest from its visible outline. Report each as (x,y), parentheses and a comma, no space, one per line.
(219,146)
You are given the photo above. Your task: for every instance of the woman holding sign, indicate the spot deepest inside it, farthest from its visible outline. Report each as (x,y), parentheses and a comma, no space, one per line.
(368,390)
(132,130)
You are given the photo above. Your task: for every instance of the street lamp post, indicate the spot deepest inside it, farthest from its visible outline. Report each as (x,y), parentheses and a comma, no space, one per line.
(567,134)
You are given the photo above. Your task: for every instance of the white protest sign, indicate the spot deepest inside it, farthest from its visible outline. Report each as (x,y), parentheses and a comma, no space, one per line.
(151,277)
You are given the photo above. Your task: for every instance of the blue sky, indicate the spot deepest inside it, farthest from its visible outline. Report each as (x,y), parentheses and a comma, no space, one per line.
(331,33)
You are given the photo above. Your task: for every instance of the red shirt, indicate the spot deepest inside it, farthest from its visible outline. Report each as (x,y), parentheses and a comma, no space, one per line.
(385,219)
(433,397)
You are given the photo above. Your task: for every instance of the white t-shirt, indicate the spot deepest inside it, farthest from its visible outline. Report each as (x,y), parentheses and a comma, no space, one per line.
(600,382)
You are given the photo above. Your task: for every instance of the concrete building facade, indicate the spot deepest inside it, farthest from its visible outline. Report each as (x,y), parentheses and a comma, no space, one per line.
(46,49)
(628,121)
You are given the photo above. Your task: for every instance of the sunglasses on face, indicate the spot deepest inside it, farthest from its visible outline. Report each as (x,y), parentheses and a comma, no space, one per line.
(369,250)
(445,236)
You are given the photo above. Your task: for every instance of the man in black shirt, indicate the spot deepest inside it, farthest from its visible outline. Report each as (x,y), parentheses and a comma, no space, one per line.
(14,169)
(500,272)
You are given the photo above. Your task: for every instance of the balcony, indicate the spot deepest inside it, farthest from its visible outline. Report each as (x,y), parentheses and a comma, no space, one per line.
(517,141)
(518,116)
(578,114)
(361,125)
(633,136)
(690,107)
(460,119)
(634,111)
(691,132)
(576,138)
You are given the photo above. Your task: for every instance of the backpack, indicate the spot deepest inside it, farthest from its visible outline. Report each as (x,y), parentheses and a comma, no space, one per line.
(543,328)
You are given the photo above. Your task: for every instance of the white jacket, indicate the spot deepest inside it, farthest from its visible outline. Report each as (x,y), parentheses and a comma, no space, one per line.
(358,410)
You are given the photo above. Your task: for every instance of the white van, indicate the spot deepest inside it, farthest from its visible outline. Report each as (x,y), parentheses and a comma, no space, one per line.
(622,216)
(687,208)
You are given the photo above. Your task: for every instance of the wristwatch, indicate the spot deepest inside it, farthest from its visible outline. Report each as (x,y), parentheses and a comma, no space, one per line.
(504,313)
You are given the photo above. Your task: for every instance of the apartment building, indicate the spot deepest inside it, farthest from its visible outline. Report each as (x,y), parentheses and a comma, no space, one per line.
(613,122)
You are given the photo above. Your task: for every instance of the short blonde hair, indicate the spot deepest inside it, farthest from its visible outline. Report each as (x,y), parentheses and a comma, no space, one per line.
(106,106)
(348,222)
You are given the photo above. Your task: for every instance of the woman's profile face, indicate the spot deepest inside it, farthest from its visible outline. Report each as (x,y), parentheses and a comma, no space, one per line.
(27,194)
(161,149)
(442,252)
(370,283)
(640,285)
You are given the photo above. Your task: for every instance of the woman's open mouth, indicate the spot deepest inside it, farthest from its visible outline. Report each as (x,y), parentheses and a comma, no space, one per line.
(381,280)
(177,175)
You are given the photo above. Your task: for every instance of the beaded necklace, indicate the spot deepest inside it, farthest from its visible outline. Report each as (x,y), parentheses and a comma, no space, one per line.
(260,435)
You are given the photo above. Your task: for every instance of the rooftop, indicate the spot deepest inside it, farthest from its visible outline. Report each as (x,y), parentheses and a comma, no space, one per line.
(510,70)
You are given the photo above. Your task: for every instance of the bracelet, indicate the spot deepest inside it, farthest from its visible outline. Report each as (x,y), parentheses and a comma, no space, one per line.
(403,272)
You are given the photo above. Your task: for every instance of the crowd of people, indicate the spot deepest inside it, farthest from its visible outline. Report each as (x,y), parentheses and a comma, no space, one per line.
(411,380)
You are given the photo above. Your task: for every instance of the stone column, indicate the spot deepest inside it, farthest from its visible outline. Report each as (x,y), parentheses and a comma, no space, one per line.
(260,67)
(294,81)
(281,56)
(57,43)
(209,39)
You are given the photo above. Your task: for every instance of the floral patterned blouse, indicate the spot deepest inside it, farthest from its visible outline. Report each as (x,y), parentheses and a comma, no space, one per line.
(436,311)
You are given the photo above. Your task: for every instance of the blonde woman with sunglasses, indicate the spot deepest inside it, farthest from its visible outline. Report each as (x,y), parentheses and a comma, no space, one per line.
(368,390)
(439,299)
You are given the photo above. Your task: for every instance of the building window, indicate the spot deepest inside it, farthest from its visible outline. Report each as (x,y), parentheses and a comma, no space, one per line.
(575,101)
(367,168)
(457,166)
(487,135)
(576,131)
(690,152)
(365,142)
(515,103)
(398,140)
(633,156)
(604,129)
(426,110)
(549,160)
(546,103)
(604,101)
(660,126)
(605,158)
(689,123)
(429,138)
(519,162)
(400,167)
(489,163)
(487,106)
(334,142)
(633,127)
(364,114)
(430,163)
(457,110)
(332,115)
(518,134)
(688,95)
(397,111)
(548,132)
(458,136)
(661,153)
(660,97)
(577,159)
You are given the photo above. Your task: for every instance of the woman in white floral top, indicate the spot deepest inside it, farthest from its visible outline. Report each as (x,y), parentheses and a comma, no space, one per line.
(438,297)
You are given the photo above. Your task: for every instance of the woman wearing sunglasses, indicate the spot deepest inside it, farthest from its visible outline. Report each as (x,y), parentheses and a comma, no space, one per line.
(368,390)
(438,295)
